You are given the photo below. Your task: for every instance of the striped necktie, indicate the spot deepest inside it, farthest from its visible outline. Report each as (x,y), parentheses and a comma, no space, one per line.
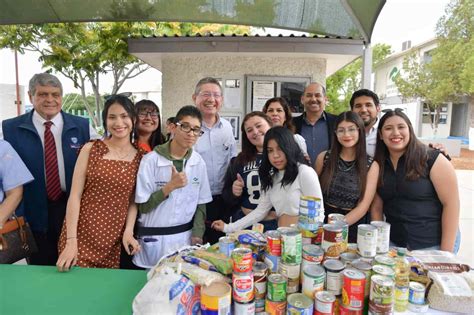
(53,185)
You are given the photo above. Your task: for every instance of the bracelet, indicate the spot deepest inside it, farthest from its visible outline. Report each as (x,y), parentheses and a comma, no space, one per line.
(69,238)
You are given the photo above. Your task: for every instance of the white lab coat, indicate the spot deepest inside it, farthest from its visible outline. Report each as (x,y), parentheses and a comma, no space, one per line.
(177,209)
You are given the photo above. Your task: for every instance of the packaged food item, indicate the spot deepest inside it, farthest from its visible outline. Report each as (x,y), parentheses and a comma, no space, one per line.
(250,237)
(222,263)
(202,263)
(452,292)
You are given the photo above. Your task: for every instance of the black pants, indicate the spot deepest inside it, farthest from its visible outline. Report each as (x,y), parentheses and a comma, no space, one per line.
(217,209)
(48,241)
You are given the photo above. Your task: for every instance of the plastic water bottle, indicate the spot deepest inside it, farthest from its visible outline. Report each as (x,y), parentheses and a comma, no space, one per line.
(402,280)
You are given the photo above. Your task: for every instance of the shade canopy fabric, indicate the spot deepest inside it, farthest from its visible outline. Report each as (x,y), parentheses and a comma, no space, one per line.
(353,19)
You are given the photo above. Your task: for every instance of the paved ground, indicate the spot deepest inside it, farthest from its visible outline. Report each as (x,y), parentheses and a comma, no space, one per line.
(466,223)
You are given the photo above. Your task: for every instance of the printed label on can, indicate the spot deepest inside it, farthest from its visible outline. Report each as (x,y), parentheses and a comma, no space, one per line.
(416,293)
(313,280)
(353,288)
(299,304)
(367,240)
(243,288)
(324,303)
(273,262)
(291,247)
(382,294)
(226,245)
(275,307)
(244,308)
(273,243)
(276,288)
(216,299)
(332,242)
(242,259)
(383,236)
(290,270)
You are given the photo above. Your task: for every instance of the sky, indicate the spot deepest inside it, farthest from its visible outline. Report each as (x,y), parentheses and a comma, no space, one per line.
(400,20)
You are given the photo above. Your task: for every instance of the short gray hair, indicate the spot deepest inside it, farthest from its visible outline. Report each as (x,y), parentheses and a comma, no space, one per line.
(322,86)
(44,79)
(205,81)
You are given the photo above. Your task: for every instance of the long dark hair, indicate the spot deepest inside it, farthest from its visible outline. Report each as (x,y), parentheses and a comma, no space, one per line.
(416,153)
(294,156)
(126,103)
(330,168)
(249,151)
(286,108)
(156,136)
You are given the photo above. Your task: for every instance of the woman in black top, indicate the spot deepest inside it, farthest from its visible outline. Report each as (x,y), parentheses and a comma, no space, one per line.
(417,189)
(348,175)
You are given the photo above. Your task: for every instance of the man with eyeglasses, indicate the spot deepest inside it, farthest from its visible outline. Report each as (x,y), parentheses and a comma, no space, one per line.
(172,192)
(217,146)
(315,124)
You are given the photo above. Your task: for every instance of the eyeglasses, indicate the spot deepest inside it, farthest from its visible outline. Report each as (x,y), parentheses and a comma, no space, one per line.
(209,94)
(342,131)
(153,115)
(187,128)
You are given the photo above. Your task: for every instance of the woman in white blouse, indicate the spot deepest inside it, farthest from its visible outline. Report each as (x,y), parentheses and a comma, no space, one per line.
(284,178)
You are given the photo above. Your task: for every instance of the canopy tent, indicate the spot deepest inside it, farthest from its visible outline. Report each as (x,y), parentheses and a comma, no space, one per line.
(353,19)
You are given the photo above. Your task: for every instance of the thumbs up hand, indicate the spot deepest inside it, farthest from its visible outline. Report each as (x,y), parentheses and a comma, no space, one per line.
(178,179)
(238,186)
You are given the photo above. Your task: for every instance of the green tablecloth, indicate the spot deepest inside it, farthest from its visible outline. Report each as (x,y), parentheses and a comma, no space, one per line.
(44,290)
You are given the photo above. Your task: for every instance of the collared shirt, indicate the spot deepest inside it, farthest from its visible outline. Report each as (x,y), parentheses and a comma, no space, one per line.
(316,136)
(371,139)
(217,146)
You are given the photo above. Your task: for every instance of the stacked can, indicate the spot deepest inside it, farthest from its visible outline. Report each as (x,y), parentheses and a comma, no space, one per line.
(310,218)
(367,240)
(273,250)
(275,303)
(291,256)
(242,280)
(340,220)
(226,245)
(260,273)
(324,303)
(384,260)
(312,255)
(334,270)
(333,241)
(383,270)
(300,304)
(383,236)
(382,295)
(313,280)
(366,269)
(353,287)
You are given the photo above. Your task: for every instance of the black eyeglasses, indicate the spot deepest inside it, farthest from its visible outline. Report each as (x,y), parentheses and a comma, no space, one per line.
(187,128)
(144,114)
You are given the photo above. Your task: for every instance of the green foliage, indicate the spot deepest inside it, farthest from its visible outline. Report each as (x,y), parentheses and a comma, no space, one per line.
(84,51)
(347,80)
(449,74)
(76,102)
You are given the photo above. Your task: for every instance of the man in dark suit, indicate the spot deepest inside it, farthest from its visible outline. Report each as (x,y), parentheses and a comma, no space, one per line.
(47,140)
(315,124)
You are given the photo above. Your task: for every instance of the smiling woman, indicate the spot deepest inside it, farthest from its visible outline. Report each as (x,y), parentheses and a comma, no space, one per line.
(148,125)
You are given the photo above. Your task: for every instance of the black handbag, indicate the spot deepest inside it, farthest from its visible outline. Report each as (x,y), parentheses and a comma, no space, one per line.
(16,241)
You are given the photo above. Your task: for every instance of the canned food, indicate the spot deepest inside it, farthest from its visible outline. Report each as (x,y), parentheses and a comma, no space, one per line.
(345,233)
(313,280)
(384,260)
(244,308)
(216,299)
(299,304)
(290,270)
(381,298)
(349,257)
(383,271)
(344,310)
(243,287)
(260,271)
(242,259)
(333,275)
(313,253)
(275,307)
(291,245)
(365,268)
(333,217)
(332,242)
(352,248)
(273,262)
(226,245)
(310,214)
(259,306)
(276,288)
(383,236)
(367,240)
(324,303)
(273,243)
(258,227)
(353,289)
(293,285)
(416,294)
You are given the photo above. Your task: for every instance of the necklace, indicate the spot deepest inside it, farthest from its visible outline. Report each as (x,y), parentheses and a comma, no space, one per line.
(345,166)
(116,153)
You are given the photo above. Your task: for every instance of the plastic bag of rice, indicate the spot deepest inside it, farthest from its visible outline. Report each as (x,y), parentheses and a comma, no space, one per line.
(452,292)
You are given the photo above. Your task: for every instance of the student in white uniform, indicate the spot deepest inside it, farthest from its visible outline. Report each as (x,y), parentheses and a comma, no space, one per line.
(284,178)
(172,189)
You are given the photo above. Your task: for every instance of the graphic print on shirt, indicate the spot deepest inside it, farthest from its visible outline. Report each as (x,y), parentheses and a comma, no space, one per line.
(251,191)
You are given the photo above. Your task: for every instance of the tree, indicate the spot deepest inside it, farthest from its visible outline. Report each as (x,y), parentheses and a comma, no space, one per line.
(449,74)
(76,102)
(347,80)
(83,52)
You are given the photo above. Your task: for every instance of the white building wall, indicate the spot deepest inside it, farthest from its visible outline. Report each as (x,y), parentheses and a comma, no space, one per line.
(180,74)
(8,108)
